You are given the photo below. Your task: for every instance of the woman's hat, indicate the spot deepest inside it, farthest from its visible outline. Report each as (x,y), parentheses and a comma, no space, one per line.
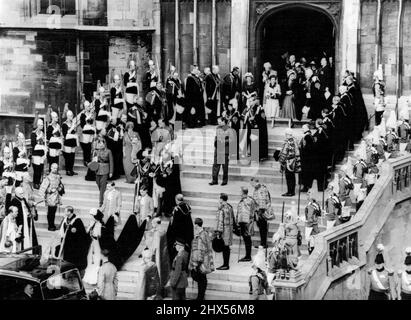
(290,72)
(249,74)
(259,259)
(267,65)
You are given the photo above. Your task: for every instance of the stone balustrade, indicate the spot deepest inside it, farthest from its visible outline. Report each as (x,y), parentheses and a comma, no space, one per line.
(342,250)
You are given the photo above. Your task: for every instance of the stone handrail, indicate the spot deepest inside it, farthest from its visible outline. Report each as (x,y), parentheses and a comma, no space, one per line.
(317,271)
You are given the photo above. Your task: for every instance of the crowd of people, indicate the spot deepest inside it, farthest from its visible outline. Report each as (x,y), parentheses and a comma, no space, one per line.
(125,132)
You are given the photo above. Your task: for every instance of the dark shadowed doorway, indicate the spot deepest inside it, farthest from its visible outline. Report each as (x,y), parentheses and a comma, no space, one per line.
(300,30)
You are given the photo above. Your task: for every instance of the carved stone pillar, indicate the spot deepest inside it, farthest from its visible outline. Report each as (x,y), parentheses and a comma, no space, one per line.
(239,34)
(289,289)
(350,25)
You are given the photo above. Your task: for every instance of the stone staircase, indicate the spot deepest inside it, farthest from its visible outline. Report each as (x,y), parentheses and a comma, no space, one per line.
(195,176)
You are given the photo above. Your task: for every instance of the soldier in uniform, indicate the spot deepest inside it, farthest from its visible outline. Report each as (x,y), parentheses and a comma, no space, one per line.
(54,139)
(392,139)
(39,153)
(225,220)
(404,277)
(88,131)
(312,213)
(345,186)
(290,161)
(51,190)
(179,271)
(116,99)
(332,208)
(246,210)
(69,129)
(381,279)
(404,130)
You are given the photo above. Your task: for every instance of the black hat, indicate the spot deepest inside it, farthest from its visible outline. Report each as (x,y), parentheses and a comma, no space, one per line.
(180,242)
(407,261)
(379,259)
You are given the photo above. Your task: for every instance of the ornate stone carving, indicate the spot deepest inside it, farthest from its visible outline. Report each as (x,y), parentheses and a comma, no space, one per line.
(332,7)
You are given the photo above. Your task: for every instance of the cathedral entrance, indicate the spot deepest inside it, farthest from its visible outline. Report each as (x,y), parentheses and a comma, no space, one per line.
(302,30)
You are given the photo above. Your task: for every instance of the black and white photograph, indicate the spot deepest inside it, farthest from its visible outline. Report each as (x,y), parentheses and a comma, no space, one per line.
(205,150)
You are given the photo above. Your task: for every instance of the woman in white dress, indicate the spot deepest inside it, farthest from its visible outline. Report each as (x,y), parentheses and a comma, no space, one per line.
(9,232)
(94,254)
(273,94)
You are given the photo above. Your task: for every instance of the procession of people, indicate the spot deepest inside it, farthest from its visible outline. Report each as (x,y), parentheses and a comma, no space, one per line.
(127,133)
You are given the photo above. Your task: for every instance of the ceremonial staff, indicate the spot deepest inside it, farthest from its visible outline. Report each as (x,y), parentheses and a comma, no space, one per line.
(282,213)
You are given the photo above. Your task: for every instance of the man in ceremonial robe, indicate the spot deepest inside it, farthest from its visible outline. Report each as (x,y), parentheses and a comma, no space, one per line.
(75,241)
(24,220)
(195,112)
(212,88)
(231,87)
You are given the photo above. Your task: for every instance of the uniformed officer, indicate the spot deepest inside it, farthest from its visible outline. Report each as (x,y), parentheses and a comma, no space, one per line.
(312,213)
(404,277)
(332,208)
(381,279)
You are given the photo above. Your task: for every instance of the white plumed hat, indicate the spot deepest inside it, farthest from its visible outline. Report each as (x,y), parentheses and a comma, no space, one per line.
(361,152)
(392,120)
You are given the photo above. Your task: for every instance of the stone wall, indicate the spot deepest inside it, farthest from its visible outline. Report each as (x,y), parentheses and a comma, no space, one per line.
(37,68)
(125,47)
(204,21)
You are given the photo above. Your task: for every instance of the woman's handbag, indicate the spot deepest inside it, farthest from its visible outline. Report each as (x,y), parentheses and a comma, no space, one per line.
(268,214)
(218,242)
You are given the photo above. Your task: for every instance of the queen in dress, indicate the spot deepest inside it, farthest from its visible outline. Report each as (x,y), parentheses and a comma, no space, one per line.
(273,94)
(94,254)
(288,110)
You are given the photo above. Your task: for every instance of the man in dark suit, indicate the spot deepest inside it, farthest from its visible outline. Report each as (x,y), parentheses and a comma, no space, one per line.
(27,293)
(179,272)
(325,75)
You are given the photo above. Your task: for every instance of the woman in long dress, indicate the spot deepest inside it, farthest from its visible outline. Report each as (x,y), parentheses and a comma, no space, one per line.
(288,109)
(272,95)
(9,232)
(94,252)
(128,164)
(250,91)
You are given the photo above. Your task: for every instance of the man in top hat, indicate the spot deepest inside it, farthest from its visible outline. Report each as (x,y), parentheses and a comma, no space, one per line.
(404,283)
(381,279)
(179,271)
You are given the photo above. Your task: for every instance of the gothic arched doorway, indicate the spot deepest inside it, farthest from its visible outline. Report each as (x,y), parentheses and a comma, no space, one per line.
(303,30)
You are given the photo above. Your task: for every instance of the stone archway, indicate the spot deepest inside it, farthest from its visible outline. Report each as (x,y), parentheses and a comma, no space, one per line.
(267,16)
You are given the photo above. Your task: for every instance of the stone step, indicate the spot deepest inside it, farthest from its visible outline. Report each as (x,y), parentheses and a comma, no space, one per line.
(205,174)
(191,294)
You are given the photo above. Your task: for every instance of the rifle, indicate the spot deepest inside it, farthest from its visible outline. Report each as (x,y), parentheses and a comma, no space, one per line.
(282,213)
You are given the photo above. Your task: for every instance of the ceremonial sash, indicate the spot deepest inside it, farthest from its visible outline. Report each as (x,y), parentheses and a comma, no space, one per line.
(377,281)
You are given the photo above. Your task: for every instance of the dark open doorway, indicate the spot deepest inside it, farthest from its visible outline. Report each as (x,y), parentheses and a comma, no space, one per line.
(298,30)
